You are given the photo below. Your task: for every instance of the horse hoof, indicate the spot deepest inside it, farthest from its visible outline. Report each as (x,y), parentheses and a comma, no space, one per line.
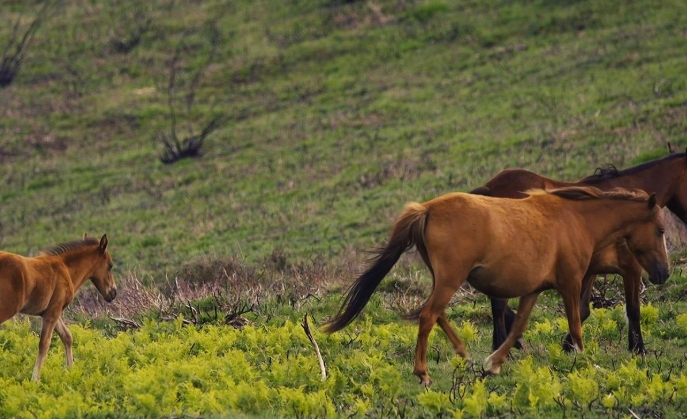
(494,370)
(638,350)
(425,381)
(568,346)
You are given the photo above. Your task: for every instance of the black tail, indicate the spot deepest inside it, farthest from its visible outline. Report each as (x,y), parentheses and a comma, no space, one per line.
(407,231)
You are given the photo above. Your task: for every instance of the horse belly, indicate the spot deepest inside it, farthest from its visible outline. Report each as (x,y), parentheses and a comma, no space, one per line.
(502,284)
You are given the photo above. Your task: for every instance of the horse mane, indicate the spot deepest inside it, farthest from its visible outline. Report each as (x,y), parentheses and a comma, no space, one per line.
(609,171)
(69,246)
(580,193)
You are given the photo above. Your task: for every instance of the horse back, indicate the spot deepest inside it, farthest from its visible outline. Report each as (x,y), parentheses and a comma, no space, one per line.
(523,236)
(514,183)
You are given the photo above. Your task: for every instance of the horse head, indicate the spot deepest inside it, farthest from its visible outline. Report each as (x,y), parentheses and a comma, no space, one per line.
(648,243)
(101,275)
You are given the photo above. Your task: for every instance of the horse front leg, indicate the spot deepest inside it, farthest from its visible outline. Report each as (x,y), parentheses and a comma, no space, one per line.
(47,328)
(585,311)
(493,363)
(571,301)
(66,338)
(632,282)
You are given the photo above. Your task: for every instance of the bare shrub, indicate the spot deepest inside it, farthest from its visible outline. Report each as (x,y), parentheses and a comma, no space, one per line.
(129,35)
(15,50)
(208,290)
(190,146)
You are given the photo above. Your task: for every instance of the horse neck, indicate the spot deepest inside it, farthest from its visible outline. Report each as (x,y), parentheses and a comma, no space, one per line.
(79,264)
(662,178)
(609,220)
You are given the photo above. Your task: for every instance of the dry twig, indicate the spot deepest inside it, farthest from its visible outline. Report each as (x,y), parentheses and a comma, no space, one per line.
(306,328)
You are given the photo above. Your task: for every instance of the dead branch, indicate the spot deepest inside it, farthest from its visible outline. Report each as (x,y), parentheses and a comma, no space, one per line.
(306,328)
(126,323)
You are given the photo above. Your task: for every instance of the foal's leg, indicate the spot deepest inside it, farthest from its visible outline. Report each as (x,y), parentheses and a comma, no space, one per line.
(585,311)
(49,322)
(66,338)
(437,302)
(493,363)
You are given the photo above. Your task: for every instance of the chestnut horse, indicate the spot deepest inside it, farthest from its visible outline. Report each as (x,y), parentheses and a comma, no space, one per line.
(511,248)
(666,177)
(43,286)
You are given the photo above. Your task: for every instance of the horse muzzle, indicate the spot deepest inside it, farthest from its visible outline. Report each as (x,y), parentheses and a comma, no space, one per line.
(659,276)
(110,295)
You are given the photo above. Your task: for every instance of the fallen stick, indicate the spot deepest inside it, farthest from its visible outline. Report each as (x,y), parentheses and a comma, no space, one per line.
(306,328)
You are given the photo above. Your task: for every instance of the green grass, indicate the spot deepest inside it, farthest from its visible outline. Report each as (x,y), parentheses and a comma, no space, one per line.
(338,113)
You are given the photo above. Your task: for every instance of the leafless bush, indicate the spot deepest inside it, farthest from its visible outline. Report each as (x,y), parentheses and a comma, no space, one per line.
(15,50)
(207,290)
(129,36)
(174,148)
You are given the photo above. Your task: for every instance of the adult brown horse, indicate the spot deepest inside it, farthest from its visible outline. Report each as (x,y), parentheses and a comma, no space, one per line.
(43,286)
(666,177)
(511,248)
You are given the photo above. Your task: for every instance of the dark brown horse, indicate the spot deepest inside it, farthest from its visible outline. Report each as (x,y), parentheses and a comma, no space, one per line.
(666,177)
(511,248)
(43,286)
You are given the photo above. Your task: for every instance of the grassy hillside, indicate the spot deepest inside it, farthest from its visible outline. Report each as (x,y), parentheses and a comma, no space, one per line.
(337,114)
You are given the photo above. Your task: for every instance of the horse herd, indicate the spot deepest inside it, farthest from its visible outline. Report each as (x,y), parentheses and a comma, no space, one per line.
(548,235)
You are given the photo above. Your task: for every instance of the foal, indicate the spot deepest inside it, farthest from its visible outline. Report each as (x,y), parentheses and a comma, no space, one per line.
(44,286)
(511,248)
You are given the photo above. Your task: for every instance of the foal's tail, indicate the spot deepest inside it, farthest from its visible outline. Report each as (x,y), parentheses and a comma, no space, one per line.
(407,231)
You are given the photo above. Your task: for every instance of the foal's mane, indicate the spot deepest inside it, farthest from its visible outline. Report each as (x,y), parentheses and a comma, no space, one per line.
(69,246)
(580,193)
(609,171)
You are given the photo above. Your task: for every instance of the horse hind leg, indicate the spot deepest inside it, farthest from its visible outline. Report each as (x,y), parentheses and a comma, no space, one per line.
(66,338)
(457,342)
(502,318)
(430,314)
(493,363)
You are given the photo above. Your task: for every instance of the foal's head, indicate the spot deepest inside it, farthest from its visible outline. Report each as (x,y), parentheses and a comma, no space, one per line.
(101,275)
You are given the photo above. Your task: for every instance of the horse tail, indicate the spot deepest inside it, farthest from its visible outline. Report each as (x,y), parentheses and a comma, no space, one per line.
(408,231)
(481,190)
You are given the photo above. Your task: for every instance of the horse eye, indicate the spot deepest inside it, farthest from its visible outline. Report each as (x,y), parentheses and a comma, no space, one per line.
(109,266)
(661,231)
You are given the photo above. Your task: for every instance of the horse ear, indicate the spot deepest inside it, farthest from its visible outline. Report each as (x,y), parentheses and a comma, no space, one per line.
(671,149)
(85,236)
(652,201)
(103,243)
